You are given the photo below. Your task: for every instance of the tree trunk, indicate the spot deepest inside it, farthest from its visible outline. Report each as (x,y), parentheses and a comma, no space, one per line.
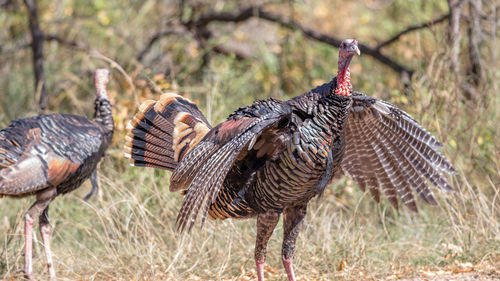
(475,71)
(455,7)
(37,48)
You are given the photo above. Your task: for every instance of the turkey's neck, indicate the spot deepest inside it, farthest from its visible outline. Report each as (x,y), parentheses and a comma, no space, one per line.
(343,77)
(103,114)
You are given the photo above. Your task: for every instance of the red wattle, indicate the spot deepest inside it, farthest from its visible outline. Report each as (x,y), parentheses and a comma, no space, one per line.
(343,83)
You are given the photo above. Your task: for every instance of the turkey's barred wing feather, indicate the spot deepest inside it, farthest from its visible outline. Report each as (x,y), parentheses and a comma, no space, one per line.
(359,160)
(214,140)
(239,121)
(372,150)
(396,148)
(386,147)
(206,167)
(413,134)
(394,181)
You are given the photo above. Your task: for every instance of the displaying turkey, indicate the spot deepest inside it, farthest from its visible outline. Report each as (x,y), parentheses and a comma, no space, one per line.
(53,154)
(273,156)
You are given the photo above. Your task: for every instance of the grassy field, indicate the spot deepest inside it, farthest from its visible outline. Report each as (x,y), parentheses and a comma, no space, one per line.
(127,232)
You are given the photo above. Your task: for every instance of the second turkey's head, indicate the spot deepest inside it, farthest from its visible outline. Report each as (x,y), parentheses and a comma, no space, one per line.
(348,48)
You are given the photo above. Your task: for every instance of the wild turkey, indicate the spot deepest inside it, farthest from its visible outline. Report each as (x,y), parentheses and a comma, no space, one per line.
(49,155)
(273,156)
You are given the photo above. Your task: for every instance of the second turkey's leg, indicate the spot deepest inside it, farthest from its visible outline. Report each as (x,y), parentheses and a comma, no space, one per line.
(34,212)
(28,247)
(266,223)
(95,185)
(45,230)
(293,218)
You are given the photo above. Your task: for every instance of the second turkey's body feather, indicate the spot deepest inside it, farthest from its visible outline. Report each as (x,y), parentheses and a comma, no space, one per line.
(60,150)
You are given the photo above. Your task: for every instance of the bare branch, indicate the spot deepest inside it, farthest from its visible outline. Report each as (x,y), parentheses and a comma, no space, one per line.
(412,28)
(114,64)
(258,12)
(93,52)
(67,43)
(37,48)
(53,37)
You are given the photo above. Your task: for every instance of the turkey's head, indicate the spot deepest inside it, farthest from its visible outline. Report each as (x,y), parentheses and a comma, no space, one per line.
(348,48)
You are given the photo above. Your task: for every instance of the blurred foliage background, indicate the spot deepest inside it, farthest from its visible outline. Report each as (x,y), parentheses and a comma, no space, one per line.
(451,86)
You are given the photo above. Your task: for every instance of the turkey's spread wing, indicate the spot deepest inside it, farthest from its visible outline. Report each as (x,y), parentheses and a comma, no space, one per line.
(387,148)
(204,169)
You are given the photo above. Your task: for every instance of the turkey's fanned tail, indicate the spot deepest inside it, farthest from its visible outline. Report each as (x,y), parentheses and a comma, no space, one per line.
(164,131)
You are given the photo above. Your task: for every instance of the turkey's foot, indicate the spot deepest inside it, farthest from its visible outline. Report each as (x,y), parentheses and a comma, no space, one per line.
(26,275)
(288,265)
(260,270)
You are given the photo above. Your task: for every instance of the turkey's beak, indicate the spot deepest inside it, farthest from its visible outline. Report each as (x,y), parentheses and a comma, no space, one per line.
(357,51)
(353,48)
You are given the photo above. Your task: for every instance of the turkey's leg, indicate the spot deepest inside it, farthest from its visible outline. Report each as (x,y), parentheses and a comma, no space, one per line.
(45,230)
(34,212)
(266,222)
(28,246)
(95,185)
(293,218)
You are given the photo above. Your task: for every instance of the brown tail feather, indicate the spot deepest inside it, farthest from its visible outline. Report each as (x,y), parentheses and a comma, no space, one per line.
(163,131)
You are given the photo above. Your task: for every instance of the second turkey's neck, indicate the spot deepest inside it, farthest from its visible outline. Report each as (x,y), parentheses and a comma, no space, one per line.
(103,114)
(343,78)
